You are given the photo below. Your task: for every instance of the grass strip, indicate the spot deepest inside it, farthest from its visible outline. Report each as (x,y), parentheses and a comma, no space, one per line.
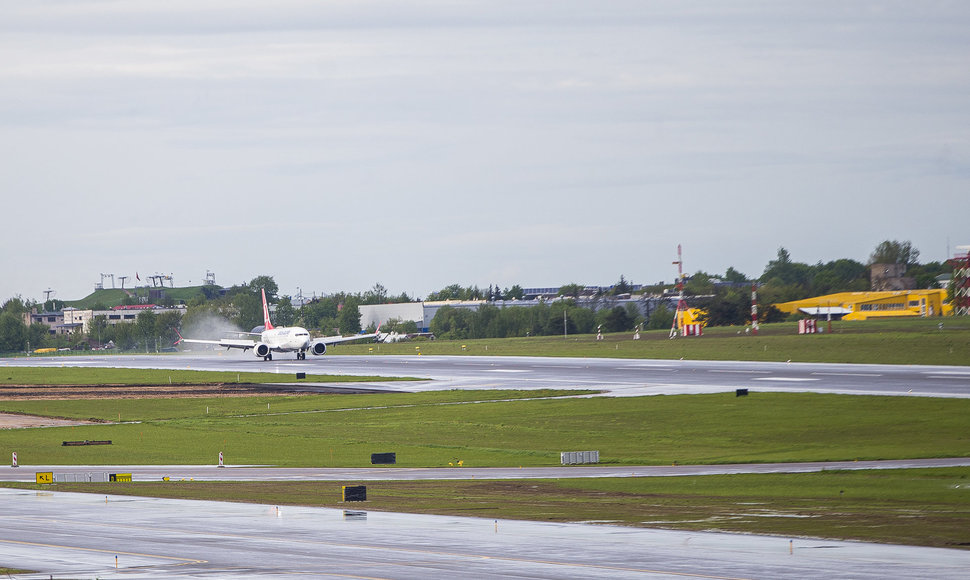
(497,429)
(925,507)
(917,341)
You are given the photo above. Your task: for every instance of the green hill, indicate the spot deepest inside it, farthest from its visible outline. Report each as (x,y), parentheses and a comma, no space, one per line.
(115,296)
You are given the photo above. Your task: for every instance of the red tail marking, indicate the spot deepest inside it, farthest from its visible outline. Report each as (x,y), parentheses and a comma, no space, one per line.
(267,325)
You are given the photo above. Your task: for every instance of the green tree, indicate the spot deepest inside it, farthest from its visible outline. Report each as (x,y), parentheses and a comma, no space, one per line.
(285,314)
(700,284)
(313,313)
(727,307)
(784,280)
(165,325)
(376,295)
(660,318)
(732,275)
(349,317)
(894,252)
(456,292)
(13,333)
(16,305)
(125,335)
(450,323)
(249,309)
(98,329)
(145,328)
(572,290)
(841,275)
(560,321)
(926,274)
(622,287)
(616,319)
(38,335)
(264,283)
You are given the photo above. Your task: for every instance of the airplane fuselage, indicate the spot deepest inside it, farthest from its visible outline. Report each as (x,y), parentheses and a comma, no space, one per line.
(286,339)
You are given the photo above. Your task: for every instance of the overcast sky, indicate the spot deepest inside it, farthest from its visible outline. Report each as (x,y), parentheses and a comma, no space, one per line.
(337,144)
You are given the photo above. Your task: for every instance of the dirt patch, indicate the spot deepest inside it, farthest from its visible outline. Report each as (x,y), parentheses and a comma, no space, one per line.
(9,421)
(74,392)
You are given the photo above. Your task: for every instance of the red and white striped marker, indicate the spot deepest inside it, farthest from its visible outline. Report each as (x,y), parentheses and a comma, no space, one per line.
(13,460)
(221,464)
(754,307)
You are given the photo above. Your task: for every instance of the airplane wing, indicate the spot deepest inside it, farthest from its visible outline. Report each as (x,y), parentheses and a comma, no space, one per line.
(225,342)
(338,339)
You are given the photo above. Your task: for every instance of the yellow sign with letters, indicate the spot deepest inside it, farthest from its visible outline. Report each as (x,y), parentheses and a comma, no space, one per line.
(45,477)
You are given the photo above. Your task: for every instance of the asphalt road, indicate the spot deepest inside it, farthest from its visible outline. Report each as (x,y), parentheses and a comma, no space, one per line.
(27,473)
(621,377)
(81,535)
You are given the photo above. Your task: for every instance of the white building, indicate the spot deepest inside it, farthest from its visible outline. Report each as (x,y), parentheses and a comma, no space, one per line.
(70,319)
(419,312)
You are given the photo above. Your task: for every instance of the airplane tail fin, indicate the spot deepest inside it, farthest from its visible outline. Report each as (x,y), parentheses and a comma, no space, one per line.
(180,337)
(267,325)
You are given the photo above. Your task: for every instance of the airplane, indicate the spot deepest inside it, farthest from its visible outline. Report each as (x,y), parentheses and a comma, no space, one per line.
(279,339)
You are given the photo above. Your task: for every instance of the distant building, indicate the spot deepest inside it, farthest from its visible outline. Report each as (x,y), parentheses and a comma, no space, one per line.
(890,278)
(71,319)
(865,305)
(422,313)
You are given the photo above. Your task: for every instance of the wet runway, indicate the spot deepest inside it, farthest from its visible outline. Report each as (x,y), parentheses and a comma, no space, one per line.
(87,536)
(79,535)
(27,473)
(621,377)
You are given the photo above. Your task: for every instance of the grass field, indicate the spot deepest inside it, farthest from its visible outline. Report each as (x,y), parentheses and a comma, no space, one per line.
(508,428)
(918,341)
(928,507)
(433,429)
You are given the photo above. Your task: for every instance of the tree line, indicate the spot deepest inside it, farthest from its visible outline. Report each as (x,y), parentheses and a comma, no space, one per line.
(725,298)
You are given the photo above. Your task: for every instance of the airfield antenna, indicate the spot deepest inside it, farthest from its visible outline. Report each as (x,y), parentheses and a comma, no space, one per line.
(675,326)
(122,278)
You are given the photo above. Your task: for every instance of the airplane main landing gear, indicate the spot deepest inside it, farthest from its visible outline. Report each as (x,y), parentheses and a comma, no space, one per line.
(301,356)
(268,357)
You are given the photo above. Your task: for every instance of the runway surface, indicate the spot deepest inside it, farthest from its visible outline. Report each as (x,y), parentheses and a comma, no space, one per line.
(81,535)
(27,473)
(620,377)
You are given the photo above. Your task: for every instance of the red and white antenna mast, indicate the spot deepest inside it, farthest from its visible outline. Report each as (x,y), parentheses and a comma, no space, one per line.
(681,306)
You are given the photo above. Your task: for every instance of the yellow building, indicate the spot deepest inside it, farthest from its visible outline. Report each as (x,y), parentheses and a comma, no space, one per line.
(864,305)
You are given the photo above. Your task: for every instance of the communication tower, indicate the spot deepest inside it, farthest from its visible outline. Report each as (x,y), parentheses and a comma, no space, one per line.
(681,305)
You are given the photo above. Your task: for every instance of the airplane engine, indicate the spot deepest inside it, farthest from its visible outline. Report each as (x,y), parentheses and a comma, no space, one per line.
(261,350)
(318,348)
